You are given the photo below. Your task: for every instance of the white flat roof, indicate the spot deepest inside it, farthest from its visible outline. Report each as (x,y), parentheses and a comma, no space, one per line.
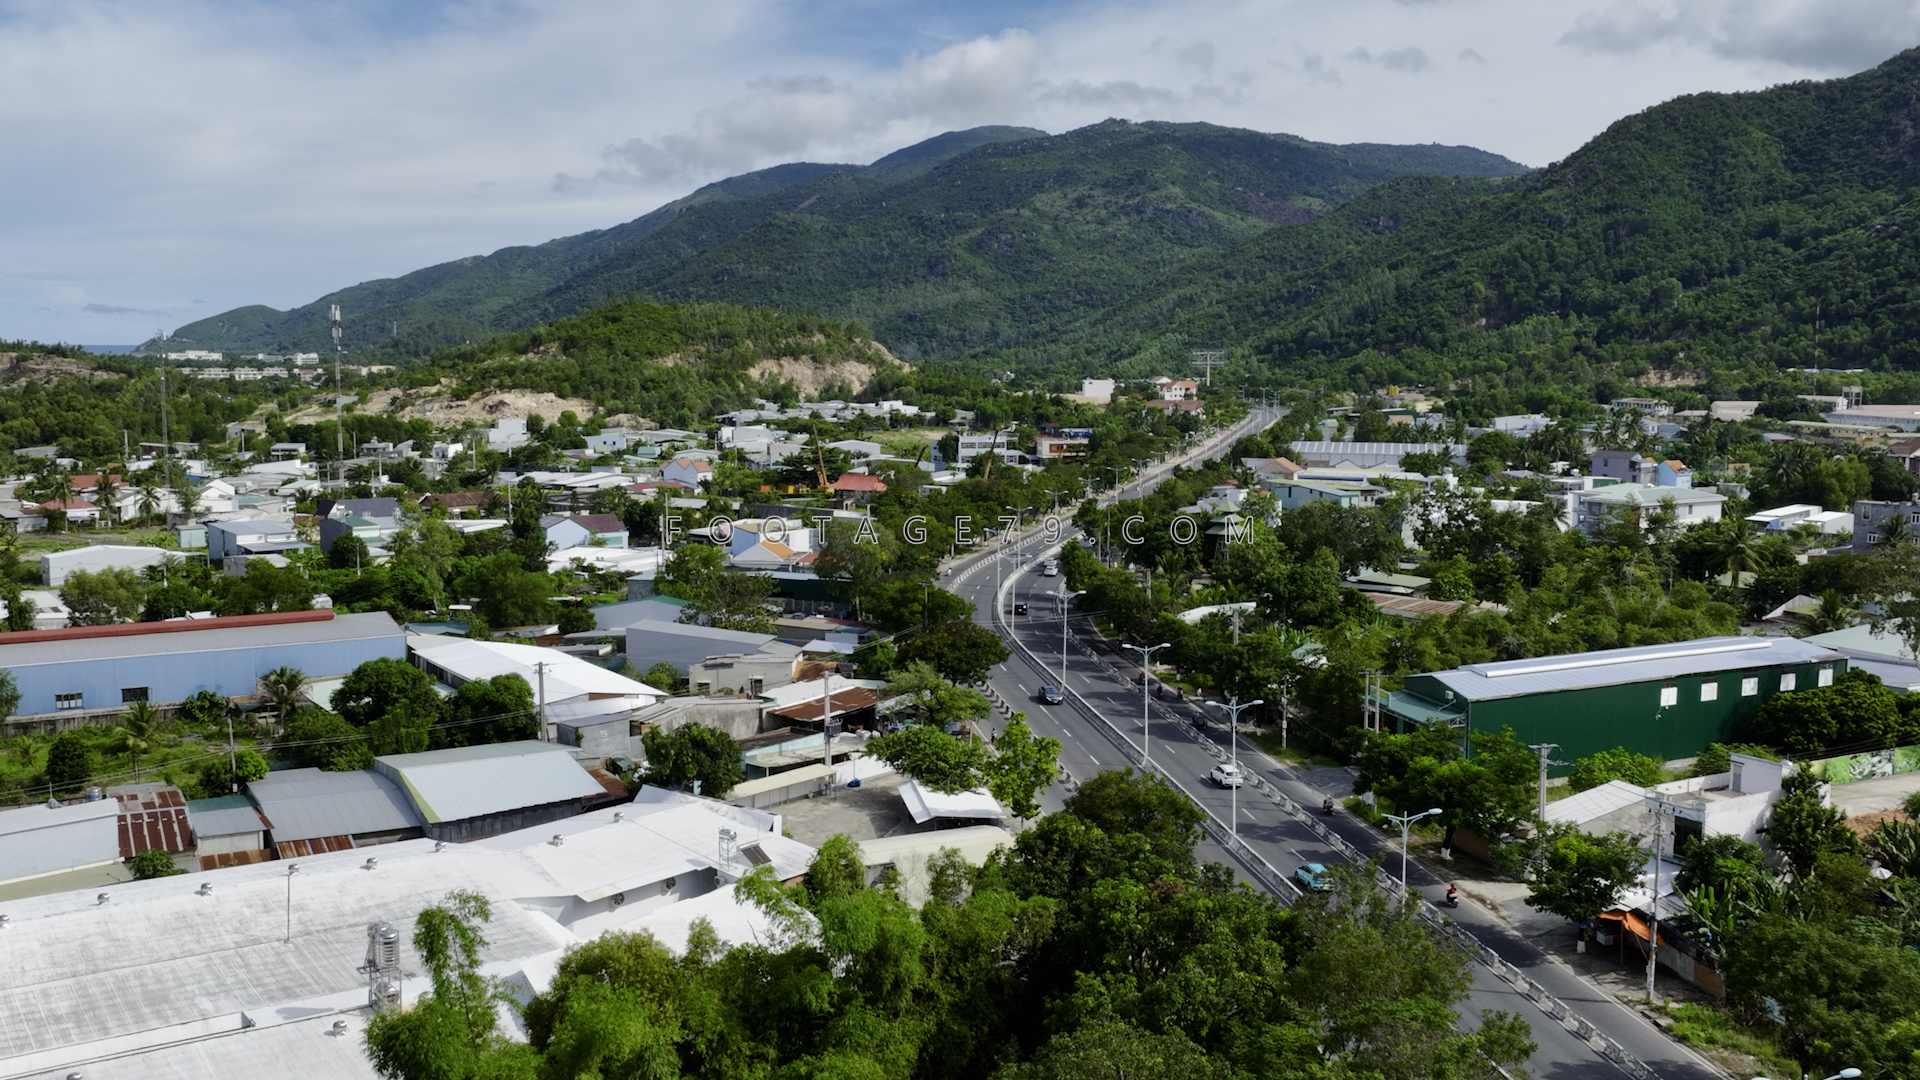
(567,676)
(925,804)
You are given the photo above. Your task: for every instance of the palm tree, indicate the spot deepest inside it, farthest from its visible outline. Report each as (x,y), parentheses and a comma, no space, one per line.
(149,498)
(284,688)
(1895,531)
(1789,466)
(1739,550)
(1833,614)
(136,730)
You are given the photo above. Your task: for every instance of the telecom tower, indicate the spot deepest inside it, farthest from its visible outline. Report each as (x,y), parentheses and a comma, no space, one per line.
(1209,359)
(339,424)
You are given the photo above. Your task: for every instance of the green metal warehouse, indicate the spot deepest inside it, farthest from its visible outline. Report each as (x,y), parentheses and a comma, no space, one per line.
(1668,701)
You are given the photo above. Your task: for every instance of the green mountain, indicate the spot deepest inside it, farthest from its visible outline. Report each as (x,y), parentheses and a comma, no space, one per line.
(971,240)
(1715,238)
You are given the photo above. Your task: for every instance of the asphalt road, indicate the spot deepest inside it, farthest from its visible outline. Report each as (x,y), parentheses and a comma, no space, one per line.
(1100,727)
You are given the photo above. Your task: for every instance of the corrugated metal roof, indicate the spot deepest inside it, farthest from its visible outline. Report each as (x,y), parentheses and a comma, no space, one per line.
(1596,802)
(227,815)
(308,804)
(153,817)
(40,816)
(1613,667)
(200,639)
(567,676)
(472,781)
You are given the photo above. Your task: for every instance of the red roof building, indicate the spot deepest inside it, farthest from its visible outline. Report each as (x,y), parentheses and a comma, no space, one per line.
(862,483)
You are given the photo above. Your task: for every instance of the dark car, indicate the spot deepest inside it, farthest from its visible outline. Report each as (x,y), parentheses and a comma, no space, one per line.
(1051,694)
(1019,609)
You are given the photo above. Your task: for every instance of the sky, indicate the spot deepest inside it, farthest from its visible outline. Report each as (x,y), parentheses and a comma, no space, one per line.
(167,160)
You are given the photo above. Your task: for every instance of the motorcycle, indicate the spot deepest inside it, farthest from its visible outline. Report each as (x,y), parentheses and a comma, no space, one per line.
(1452,900)
(1326,807)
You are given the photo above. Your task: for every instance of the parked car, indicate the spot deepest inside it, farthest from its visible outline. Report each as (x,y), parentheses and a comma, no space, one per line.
(1312,877)
(1051,694)
(1227,774)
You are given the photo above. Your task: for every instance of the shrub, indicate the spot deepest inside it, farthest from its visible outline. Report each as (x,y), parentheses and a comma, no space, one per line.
(1618,763)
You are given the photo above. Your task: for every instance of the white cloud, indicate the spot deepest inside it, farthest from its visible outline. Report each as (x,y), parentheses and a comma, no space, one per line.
(243,151)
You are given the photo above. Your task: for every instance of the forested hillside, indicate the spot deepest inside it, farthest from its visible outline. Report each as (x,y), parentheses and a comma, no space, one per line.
(970,240)
(1718,237)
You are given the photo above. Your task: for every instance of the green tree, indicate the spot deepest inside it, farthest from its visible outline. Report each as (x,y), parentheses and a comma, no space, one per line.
(220,777)
(150,864)
(9,694)
(284,688)
(69,761)
(1577,876)
(378,686)
(664,677)
(137,730)
(959,650)
(1022,766)
(500,709)
(453,1031)
(1109,1048)
(1616,764)
(933,698)
(1857,710)
(508,593)
(925,753)
(695,752)
(1804,827)
(1733,868)
(322,739)
(349,552)
(103,597)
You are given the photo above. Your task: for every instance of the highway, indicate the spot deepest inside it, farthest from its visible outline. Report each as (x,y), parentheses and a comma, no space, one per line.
(1100,727)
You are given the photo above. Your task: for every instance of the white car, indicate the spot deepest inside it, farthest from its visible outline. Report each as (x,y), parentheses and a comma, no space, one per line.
(1227,775)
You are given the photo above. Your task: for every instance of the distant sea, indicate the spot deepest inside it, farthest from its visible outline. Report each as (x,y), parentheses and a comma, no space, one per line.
(110,350)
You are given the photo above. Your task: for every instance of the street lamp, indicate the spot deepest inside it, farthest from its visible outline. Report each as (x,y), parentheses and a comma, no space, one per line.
(1843,1074)
(1233,737)
(1065,598)
(1406,822)
(1663,811)
(1146,725)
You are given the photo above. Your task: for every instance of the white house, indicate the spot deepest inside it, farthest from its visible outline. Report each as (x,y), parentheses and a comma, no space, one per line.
(1593,509)
(584,530)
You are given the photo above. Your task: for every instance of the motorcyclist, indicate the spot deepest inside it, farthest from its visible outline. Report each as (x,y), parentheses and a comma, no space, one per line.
(1453,895)
(1326,806)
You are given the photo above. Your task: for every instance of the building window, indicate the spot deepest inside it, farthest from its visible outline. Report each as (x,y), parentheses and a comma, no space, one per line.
(69,701)
(1749,684)
(1669,696)
(1826,674)
(754,686)
(131,694)
(1709,691)
(1788,680)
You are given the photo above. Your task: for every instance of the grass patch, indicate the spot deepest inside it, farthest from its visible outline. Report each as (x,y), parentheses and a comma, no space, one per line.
(179,751)
(1741,1049)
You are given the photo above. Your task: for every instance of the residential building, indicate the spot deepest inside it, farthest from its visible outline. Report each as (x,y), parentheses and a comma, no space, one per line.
(372,521)
(1522,425)
(1069,443)
(1293,494)
(1873,520)
(1098,391)
(78,511)
(1626,466)
(227,831)
(1185,405)
(1907,453)
(682,645)
(1667,701)
(1646,406)
(1596,508)
(691,473)
(858,488)
(252,536)
(1728,412)
(1782,518)
(584,530)
(72,676)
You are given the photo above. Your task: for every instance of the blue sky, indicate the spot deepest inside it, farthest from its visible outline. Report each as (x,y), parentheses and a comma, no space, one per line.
(168,161)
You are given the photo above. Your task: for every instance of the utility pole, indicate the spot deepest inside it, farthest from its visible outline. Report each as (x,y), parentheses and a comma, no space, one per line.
(1545,763)
(1663,812)
(1234,708)
(826,723)
(1065,597)
(1209,359)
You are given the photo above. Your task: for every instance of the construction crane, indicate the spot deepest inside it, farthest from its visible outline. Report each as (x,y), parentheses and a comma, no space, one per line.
(820,460)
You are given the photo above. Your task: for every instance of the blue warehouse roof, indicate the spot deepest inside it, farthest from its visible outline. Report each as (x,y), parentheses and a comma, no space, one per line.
(1615,667)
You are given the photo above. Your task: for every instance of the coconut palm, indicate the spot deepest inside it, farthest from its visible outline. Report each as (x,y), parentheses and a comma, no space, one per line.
(284,688)
(1739,550)
(1895,531)
(1832,614)
(136,731)
(149,498)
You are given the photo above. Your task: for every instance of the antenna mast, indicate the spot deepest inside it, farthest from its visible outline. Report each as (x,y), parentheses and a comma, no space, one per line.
(339,423)
(166,435)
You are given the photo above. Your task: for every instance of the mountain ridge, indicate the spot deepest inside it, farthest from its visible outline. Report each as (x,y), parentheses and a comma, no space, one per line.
(518,287)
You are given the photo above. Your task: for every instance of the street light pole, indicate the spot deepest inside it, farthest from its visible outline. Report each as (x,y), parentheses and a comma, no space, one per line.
(1146,723)
(1065,598)
(1233,738)
(1406,822)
